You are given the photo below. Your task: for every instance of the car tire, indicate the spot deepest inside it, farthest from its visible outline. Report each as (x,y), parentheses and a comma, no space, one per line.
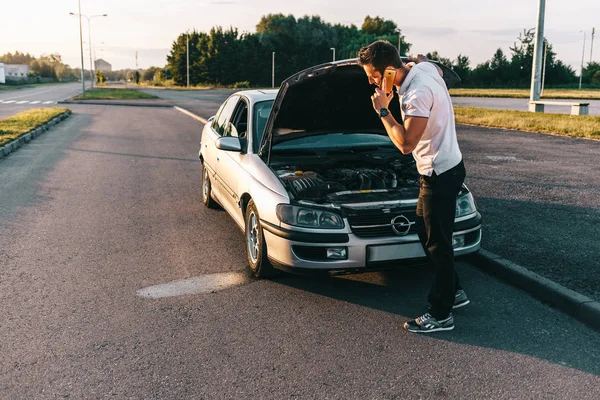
(256,248)
(207,189)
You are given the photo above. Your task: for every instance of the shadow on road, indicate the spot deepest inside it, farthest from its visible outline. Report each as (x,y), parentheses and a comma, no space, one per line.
(499,317)
(559,242)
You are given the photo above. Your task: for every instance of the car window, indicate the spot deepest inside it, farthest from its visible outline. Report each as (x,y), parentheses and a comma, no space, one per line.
(213,124)
(220,124)
(261,114)
(239,121)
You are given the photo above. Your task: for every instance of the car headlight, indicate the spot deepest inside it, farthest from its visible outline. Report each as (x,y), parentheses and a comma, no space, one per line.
(465,205)
(308,217)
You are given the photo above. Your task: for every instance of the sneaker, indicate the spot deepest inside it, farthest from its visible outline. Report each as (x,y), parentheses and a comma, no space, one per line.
(427,324)
(460,299)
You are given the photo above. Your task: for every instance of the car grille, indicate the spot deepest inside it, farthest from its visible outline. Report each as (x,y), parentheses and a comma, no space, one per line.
(378,222)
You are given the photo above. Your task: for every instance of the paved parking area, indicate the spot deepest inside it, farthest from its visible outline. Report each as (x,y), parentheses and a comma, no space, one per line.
(108,203)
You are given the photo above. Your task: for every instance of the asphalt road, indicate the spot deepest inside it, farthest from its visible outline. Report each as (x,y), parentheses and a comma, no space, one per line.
(204,103)
(538,194)
(108,203)
(521,104)
(14,101)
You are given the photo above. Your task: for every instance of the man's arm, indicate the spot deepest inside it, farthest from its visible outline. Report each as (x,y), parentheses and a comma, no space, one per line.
(406,137)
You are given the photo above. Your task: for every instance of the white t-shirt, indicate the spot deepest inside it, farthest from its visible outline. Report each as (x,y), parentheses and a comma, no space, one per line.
(424,94)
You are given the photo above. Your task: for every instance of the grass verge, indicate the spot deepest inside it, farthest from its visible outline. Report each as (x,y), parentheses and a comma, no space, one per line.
(560,124)
(13,127)
(114,94)
(589,94)
(4,87)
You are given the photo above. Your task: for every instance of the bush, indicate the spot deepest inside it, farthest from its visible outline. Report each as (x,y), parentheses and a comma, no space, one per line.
(241,85)
(596,77)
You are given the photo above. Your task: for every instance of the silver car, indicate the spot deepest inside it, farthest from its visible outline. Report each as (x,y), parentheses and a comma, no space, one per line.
(312,179)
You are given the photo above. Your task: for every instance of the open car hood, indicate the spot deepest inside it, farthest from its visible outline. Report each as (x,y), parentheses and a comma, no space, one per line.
(328,98)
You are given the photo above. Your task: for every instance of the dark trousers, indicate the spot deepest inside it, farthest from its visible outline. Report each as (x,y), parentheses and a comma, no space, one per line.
(435,220)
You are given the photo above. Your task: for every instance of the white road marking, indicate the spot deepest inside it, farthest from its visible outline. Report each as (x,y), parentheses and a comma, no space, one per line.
(48,102)
(22,102)
(195,285)
(502,158)
(8,102)
(196,117)
(34,102)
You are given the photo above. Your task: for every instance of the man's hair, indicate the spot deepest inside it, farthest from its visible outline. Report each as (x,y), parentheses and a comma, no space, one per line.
(380,54)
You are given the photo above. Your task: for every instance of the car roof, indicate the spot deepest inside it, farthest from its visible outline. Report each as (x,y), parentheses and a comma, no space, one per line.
(259,94)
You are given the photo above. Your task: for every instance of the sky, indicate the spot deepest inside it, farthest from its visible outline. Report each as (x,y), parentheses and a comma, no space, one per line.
(475,28)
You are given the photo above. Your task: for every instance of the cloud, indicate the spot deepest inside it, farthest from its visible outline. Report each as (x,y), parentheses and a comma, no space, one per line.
(427,31)
(497,32)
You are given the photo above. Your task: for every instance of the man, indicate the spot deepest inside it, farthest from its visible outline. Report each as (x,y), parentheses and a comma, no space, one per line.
(429,133)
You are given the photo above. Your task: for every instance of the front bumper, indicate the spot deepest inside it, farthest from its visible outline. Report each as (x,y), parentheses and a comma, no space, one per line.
(300,251)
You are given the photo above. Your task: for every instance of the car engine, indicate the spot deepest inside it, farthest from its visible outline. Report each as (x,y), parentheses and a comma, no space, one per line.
(347,182)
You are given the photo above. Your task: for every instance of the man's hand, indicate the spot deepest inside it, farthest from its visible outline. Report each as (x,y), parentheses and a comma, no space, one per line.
(418,58)
(380,98)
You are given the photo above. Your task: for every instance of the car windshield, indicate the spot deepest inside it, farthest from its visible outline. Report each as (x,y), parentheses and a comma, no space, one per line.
(321,141)
(261,114)
(336,140)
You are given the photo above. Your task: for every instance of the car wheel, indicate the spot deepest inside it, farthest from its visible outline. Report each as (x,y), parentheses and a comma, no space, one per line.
(256,249)
(207,189)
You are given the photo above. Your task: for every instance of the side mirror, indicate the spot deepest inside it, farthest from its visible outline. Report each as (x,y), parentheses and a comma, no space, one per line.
(229,143)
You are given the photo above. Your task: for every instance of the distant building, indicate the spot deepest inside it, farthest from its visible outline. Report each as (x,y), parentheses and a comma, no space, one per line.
(2,79)
(102,65)
(16,72)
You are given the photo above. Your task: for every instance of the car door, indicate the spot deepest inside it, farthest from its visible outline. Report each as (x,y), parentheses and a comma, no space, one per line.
(229,167)
(213,132)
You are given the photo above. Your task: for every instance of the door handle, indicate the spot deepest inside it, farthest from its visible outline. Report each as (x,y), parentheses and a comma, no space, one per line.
(217,158)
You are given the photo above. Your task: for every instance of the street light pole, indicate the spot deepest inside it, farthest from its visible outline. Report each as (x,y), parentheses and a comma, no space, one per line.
(81,46)
(92,69)
(333,48)
(188,58)
(592,46)
(273,70)
(534,94)
(544,67)
(582,54)
(90,45)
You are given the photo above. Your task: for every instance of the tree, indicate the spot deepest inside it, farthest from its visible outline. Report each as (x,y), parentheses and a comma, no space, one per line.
(462,68)
(442,60)
(100,78)
(17,58)
(148,74)
(378,26)
(590,71)
(522,57)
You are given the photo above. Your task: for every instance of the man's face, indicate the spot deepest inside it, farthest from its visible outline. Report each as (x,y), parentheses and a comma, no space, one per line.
(374,76)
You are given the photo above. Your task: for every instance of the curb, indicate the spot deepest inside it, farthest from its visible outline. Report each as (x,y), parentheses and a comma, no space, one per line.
(107,103)
(566,300)
(17,143)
